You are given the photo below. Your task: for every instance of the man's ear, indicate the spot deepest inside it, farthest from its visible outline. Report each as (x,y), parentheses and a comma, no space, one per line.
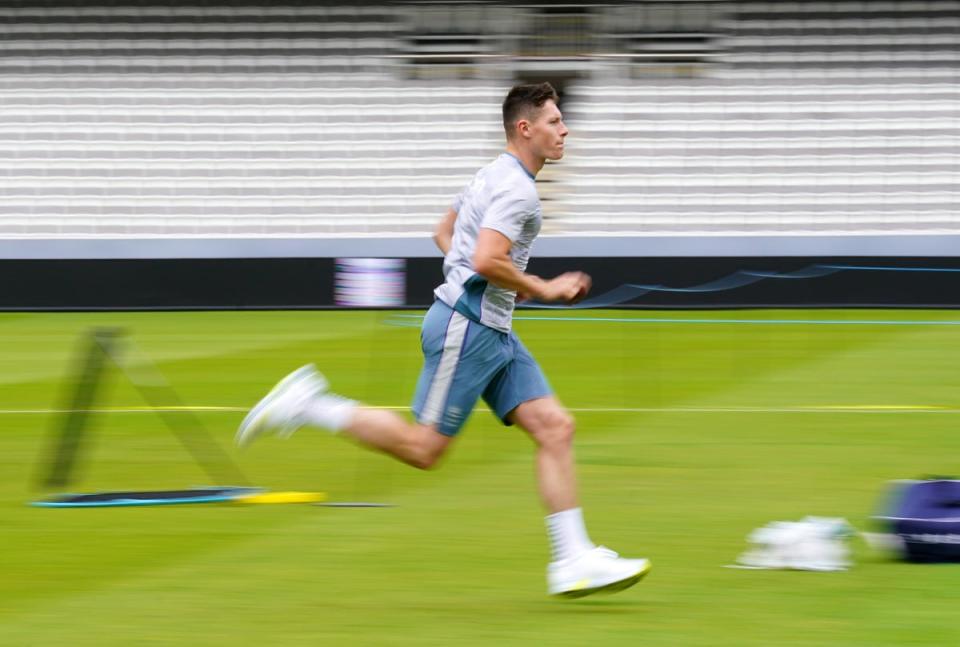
(523,128)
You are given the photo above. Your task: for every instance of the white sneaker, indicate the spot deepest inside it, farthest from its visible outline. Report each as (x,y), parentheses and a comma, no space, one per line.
(595,571)
(281,409)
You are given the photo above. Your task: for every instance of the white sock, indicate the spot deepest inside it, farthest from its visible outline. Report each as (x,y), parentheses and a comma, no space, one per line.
(568,536)
(329,411)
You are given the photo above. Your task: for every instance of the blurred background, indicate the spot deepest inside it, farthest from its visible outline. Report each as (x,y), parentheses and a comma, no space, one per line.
(308,130)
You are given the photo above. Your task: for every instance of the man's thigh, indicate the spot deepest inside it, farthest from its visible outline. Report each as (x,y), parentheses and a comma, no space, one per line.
(460,358)
(521,380)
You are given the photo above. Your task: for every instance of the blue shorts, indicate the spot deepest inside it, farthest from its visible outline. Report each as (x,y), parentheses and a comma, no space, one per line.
(464,360)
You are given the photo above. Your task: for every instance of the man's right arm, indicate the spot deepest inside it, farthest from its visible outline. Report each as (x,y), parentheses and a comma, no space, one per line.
(491,259)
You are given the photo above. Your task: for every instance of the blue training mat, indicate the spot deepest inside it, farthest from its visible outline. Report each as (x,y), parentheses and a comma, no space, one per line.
(158,497)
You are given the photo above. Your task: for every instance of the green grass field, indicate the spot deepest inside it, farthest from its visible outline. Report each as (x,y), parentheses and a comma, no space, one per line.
(691,434)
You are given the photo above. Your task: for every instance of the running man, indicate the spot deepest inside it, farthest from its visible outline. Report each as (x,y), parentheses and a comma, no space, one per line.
(470,351)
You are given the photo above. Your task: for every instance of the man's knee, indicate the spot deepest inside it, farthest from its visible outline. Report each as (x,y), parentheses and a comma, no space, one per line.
(430,448)
(554,427)
(426,458)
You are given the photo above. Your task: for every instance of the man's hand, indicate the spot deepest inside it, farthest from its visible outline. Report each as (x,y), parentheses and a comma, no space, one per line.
(569,287)
(492,261)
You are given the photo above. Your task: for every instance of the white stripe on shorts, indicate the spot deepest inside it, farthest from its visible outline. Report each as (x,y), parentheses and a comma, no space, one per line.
(446,369)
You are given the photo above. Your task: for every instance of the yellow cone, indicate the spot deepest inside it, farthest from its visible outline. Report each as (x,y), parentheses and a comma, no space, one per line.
(280,497)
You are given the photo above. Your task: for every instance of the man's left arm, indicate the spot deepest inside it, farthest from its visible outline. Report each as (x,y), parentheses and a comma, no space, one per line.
(443,232)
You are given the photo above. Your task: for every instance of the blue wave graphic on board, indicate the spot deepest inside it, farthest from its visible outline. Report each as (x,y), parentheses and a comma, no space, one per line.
(741,278)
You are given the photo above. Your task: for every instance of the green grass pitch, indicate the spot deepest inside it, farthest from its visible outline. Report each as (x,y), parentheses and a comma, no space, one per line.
(691,432)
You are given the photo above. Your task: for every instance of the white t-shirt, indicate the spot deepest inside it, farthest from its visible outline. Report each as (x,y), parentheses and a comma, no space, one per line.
(502,196)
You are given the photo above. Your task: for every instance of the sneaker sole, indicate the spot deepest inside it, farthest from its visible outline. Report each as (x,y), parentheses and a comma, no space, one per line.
(251,427)
(612,587)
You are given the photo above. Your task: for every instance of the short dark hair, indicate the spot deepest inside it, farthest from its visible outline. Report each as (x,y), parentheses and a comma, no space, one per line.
(523,101)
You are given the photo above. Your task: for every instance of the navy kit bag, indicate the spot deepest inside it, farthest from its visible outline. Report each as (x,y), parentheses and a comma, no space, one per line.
(925,515)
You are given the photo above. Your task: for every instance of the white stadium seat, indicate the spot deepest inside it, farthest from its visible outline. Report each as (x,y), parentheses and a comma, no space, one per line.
(275,120)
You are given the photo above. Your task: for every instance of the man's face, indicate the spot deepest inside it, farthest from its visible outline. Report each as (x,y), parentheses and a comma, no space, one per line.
(547,132)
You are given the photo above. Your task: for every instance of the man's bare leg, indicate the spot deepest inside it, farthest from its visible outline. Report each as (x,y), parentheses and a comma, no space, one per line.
(385,431)
(551,428)
(578,567)
(302,399)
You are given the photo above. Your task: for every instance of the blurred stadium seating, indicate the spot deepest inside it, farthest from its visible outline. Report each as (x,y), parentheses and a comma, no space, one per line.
(264,120)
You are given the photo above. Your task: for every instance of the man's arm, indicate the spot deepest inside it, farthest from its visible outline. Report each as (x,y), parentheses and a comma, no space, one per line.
(491,260)
(443,232)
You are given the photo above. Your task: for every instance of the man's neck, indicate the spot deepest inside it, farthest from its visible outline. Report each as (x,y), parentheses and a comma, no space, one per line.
(531,162)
